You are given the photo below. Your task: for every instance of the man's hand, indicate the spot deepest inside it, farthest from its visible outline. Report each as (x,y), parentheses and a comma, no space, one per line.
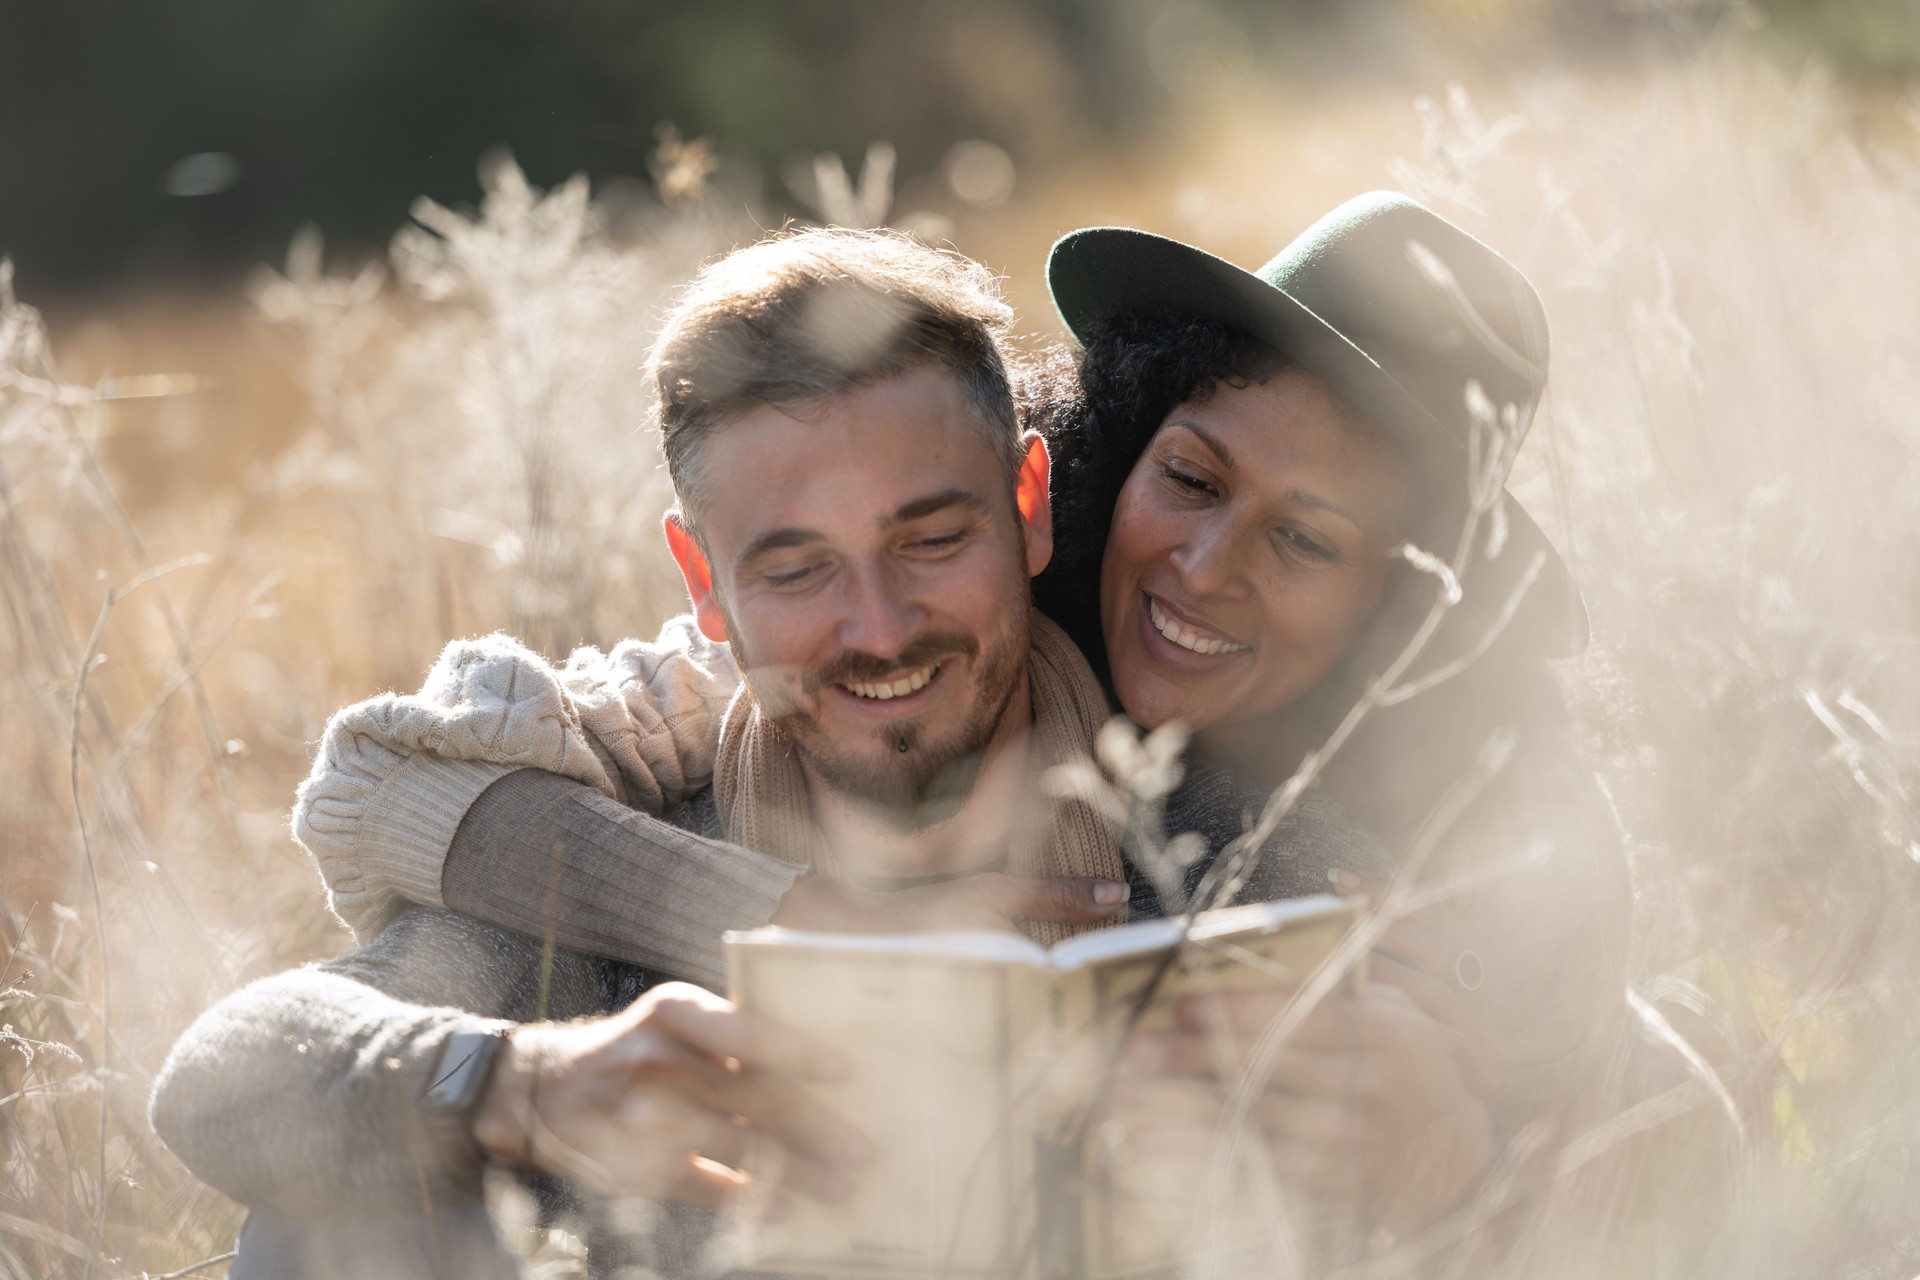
(992,901)
(664,1099)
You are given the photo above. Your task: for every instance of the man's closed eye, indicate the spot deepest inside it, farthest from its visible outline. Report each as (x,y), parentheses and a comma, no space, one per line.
(938,544)
(790,577)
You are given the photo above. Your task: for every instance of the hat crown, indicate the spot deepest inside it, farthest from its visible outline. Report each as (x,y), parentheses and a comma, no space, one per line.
(1431,305)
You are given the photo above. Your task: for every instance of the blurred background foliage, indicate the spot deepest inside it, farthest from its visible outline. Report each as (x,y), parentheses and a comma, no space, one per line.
(146,145)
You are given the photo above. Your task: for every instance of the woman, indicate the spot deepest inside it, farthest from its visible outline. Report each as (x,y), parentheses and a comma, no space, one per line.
(1240,456)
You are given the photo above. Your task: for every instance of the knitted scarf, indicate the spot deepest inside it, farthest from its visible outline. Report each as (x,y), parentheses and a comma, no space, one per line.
(762,793)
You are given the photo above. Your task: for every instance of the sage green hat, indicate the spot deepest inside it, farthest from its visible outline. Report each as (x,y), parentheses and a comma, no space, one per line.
(1394,308)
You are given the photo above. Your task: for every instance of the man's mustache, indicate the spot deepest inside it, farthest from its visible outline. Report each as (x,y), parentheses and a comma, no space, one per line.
(856,666)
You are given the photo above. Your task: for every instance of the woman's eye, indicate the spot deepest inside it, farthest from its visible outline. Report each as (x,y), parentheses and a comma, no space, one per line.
(1188,483)
(1304,545)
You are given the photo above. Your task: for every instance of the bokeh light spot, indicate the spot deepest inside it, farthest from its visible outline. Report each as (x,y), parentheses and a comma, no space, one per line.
(204,173)
(980,173)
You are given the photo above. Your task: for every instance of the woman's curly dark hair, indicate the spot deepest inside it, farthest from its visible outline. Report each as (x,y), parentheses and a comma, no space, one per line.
(1097,409)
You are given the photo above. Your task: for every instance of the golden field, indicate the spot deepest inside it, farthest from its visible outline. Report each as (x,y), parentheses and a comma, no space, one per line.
(221,519)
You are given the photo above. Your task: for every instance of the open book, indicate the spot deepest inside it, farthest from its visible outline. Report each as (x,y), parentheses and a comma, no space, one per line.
(981,1069)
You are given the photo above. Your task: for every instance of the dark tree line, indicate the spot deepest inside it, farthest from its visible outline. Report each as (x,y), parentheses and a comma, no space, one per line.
(339,112)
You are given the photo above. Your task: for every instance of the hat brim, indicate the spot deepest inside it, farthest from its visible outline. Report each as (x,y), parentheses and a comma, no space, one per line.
(1099,272)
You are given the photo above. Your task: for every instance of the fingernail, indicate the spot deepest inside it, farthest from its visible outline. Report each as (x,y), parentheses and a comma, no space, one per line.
(1109,893)
(1344,880)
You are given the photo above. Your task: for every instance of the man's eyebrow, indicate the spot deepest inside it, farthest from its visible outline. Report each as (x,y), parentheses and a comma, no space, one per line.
(935,503)
(777,540)
(918,509)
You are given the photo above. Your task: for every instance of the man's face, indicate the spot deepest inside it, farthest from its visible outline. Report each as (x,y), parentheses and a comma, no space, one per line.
(869,565)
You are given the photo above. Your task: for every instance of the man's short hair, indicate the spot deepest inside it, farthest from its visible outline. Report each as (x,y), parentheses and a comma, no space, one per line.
(805,315)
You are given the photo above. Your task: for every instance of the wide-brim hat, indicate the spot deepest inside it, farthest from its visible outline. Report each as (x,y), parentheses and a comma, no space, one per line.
(1398,311)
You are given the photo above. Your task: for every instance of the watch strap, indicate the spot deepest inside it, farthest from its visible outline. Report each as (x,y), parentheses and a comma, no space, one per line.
(460,1076)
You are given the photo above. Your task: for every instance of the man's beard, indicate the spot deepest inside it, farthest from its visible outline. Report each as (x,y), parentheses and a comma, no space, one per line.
(928,781)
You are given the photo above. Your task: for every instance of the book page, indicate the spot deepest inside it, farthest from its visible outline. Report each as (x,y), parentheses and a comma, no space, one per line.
(939,1044)
(1144,936)
(992,945)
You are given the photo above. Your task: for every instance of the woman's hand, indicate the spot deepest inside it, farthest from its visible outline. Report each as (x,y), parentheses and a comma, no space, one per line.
(1365,1102)
(1382,1096)
(1430,955)
(664,1099)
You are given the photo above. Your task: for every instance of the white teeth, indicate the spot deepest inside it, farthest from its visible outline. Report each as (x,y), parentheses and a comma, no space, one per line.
(1183,636)
(912,682)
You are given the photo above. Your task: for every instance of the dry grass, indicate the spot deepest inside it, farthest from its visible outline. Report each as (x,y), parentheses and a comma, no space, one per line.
(1728,459)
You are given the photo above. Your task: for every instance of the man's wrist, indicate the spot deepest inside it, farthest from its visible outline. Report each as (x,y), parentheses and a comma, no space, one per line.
(502,1122)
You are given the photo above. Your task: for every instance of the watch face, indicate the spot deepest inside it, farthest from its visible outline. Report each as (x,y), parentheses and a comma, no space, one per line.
(461,1070)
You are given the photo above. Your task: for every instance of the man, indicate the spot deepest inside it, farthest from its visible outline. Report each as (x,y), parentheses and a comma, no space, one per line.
(858,519)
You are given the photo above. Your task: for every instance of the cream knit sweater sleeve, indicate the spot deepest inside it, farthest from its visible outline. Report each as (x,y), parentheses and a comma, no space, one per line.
(395,774)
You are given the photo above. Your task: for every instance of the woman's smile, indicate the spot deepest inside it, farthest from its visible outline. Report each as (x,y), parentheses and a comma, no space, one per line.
(1187,636)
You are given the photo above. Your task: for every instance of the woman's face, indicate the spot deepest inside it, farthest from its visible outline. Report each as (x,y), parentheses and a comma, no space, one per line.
(1249,545)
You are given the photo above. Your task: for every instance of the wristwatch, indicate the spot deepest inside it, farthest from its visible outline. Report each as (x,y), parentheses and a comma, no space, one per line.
(459,1078)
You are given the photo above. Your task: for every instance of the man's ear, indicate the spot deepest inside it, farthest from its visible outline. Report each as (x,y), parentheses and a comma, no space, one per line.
(1035,501)
(698,574)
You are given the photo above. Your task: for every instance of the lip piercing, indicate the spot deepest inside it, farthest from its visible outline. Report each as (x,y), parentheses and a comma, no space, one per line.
(903,746)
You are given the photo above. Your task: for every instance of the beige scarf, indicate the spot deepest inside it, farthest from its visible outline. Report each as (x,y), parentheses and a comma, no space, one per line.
(762,793)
